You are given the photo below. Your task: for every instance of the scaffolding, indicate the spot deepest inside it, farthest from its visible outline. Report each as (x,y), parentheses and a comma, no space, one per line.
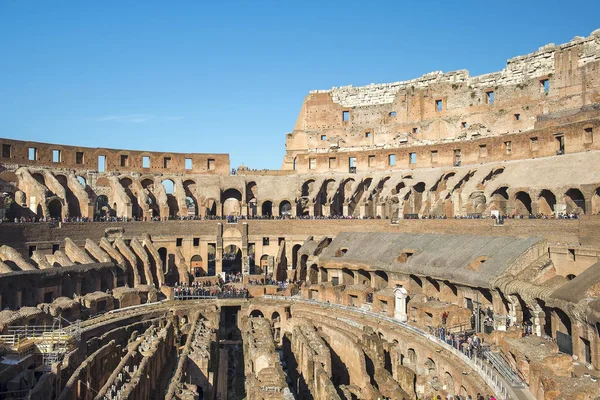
(51,342)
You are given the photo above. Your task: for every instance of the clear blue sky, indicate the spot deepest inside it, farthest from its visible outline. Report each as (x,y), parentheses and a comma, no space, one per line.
(230,76)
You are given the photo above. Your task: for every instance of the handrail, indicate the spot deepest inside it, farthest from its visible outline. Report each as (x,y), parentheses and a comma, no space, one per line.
(496,383)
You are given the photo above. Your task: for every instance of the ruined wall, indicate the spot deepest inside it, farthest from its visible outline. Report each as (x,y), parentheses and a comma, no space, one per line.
(36,154)
(449,106)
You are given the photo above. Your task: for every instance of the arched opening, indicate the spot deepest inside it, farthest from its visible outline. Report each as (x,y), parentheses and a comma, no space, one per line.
(72,202)
(323,274)
(285,209)
(232,260)
(267,208)
(546,202)
(435,284)
(575,201)
(411,357)
(275,317)
(499,199)
(256,314)
(522,204)
(364,278)
(571,277)
(381,280)
(304,202)
(136,210)
(430,366)
(313,274)
(347,277)
(197,266)
(231,200)
(102,207)
(82,181)
(449,381)
(191,201)
(264,265)
(172,203)
(303,267)
(416,284)
(251,190)
(212,251)
(162,252)
(55,208)
(295,255)
(148,186)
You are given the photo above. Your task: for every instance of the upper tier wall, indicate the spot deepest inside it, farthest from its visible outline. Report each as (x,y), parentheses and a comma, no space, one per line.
(116,160)
(453,105)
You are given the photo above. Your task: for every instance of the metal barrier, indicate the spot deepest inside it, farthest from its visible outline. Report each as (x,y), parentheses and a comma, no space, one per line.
(487,373)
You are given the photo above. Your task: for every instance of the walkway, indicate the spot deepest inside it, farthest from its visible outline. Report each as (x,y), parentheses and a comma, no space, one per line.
(502,390)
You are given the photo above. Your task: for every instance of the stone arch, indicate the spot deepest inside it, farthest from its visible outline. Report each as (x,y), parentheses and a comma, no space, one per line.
(499,200)
(275,317)
(295,250)
(411,357)
(546,202)
(232,259)
(72,201)
(449,381)
(313,274)
(303,267)
(347,277)
(172,202)
(256,314)
(430,366)
(231,200)
(285,209)
(575,201)
(55,208)
(251,191)
(197,266)
(127,184)
(522,203)
(102,206)
(191,199)
(267,208)
(323,274)
(380,279)
(264,265)
(364,278)
(148,184)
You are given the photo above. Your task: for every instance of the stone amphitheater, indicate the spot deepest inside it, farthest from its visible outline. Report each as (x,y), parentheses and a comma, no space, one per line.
(431,238)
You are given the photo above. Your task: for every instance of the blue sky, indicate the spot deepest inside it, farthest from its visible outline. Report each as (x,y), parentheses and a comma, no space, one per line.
(230,76)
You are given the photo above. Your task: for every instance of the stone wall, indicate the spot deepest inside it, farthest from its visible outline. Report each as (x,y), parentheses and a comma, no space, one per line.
(83,159)
(448,106)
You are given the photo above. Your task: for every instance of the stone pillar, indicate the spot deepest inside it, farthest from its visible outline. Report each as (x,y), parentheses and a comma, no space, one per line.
(219,249)
(311,208)
(400,306)
(362,210)
(380,210)
(539,320)
(326,210)
(345,210)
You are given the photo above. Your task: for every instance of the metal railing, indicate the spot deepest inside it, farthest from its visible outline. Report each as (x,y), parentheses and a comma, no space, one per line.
(485,370)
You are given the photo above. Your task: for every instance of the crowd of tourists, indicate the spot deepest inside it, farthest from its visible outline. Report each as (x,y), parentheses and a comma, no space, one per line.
(234,219)
(199,290)
(460,397)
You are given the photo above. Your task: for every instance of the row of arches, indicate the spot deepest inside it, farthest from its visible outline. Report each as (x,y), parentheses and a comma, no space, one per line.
(385,196)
